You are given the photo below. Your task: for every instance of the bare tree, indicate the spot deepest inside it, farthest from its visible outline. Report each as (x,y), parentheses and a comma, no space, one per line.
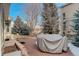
(33,11)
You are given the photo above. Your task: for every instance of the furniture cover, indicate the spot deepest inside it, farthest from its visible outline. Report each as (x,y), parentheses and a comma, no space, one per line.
(52,43)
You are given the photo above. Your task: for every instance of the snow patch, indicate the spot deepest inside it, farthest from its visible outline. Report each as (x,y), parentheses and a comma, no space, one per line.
(74,49)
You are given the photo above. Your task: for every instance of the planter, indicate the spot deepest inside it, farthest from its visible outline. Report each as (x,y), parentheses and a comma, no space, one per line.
(74,49)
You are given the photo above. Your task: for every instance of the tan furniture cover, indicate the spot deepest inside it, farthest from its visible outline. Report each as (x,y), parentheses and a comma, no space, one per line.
(52,43)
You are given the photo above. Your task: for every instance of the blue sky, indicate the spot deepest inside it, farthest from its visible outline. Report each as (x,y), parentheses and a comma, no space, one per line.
(59,4)
(16,9)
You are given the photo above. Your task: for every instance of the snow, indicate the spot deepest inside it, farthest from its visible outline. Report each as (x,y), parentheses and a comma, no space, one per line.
(74,49)
(15,53)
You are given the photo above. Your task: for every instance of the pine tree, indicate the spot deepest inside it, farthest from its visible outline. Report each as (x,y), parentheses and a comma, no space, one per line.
(76,28)
(17,25)
(20,27)
(50,18)
(18,22)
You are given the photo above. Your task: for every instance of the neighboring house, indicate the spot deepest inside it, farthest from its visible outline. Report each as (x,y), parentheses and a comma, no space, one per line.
(67,11)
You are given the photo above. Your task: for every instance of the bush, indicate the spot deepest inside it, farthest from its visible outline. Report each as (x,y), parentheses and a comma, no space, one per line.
(21,31)
(24,31)
(14,31)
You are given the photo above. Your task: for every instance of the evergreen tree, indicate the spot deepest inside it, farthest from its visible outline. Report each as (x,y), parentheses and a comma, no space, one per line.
(50,18)
(20,27)
(17,25)
(76,28)
(18,22)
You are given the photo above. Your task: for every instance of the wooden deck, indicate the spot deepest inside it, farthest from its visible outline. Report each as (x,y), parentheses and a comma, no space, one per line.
(33,50)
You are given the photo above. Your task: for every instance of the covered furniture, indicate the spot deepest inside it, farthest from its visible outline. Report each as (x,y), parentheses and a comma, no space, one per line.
(52,43)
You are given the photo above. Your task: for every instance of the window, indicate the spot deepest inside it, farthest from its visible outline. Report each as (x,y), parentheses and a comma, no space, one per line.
(64,16)
(64,27)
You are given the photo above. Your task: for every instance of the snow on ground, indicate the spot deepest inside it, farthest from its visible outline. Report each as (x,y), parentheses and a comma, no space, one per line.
(74,49)
(16,53)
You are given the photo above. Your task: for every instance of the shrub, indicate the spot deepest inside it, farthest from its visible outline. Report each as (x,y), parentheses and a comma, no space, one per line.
(76,28)
(21,31)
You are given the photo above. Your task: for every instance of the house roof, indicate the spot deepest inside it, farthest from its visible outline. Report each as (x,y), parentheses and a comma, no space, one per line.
(67,4)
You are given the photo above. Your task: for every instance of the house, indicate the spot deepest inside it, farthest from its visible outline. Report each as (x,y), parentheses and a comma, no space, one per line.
(67,11)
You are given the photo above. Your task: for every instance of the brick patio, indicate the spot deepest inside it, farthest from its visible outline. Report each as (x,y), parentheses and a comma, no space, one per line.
(34,51)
